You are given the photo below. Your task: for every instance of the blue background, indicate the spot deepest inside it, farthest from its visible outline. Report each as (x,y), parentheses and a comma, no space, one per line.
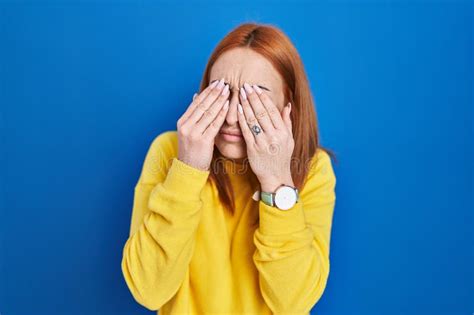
(86,86)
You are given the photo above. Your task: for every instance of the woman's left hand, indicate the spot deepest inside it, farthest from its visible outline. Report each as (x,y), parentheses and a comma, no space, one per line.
(270,143)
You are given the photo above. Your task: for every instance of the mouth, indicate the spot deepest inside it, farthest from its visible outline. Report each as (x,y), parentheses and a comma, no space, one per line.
(231,136)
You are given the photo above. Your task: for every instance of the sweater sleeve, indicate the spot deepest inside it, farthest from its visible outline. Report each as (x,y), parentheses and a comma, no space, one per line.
(166,212)
(292,247)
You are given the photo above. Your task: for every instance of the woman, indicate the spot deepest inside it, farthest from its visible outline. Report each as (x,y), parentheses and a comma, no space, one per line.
(232,212)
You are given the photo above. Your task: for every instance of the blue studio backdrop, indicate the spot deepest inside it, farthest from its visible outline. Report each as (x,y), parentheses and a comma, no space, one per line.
(86,86)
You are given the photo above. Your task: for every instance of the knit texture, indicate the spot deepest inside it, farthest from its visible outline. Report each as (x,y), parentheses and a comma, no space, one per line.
(186,254)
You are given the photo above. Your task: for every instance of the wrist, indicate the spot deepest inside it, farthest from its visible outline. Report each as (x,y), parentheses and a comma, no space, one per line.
(284,197)
(272,184)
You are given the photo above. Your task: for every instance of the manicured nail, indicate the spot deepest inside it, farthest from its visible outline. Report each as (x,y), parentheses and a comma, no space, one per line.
(258,89)
(213,84)
(241,110)
(248,88)
(221,84)
(226,105)
(225,90)
(242,92)
(194,96)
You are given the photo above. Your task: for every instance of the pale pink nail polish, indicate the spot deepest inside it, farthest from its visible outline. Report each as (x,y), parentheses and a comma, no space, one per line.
(213,84)
(221,84)
(257,88)
(248,88)
(225,90)
(242,92)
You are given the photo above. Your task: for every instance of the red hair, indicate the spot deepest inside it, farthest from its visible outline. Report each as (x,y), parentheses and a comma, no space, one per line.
(270,42)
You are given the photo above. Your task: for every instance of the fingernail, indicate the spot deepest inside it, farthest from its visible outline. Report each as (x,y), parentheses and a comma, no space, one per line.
(248,88)
(225,90)
(194,96)
(241,110)
(242,92)
(213,84)
(226,105)
(221,83)
(289,106)
(257,88)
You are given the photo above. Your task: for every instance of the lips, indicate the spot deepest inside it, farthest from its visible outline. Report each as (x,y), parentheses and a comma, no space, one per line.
(233,133)
(231,136)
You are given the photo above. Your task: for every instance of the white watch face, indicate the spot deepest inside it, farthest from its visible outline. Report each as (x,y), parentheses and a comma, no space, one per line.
(285,197)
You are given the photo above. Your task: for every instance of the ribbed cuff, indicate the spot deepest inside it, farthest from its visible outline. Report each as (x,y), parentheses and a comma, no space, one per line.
(185,180)
(274,221)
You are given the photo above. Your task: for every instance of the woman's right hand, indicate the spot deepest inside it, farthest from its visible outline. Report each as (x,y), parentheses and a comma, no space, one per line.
(200,124)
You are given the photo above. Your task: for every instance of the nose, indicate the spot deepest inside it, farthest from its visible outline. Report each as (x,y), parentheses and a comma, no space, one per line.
(231,117)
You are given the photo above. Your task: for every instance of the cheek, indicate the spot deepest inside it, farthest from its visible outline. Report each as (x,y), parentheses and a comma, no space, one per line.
(280,108)
(278,101)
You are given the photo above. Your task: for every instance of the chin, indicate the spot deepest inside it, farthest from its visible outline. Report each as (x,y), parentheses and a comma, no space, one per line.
(231,150)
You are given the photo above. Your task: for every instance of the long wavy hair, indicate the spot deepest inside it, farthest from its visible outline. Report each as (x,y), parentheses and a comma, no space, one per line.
(269,41)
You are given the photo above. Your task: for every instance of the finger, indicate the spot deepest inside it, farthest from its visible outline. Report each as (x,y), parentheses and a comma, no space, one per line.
(249,114)
(210,114)
(287,117)
(206,103)
(271,108)
(244,127)
(259,110)
(197,99)
(215,126)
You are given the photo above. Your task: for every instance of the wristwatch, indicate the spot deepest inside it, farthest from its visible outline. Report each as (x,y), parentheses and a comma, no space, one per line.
(284,197)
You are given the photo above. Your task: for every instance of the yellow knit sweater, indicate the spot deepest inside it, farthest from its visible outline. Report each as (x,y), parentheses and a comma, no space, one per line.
(187,255)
